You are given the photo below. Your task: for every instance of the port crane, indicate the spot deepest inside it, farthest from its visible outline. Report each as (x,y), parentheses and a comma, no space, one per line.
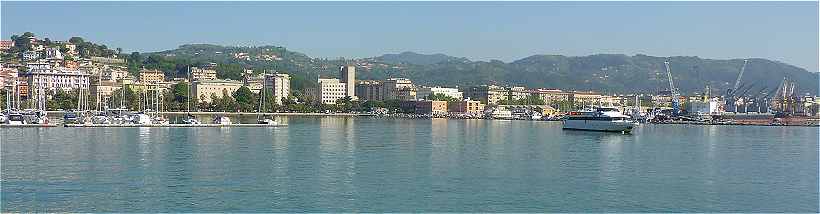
(673,90)
(732,92)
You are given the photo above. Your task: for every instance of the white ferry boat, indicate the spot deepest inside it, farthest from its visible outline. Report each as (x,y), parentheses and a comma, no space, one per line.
(598,119)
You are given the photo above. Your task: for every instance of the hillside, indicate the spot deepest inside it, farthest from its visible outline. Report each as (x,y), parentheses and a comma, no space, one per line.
(417,59)
(613,73)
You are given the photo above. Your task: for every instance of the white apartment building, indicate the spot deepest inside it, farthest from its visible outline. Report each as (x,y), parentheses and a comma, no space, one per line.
(279,84)
(198,74)
(424,92)
(329,90)
(42,76)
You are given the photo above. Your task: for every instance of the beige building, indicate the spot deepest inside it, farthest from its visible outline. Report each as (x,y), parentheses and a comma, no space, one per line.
(104,90)
(279,84)
(585,98)
(151,76)
(551,96)
(114,75)
(204,89)
(467,107)
(431,107)
(253,82)
(202,74)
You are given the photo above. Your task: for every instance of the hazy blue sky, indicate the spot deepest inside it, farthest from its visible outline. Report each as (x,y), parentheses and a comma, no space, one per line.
(784,31)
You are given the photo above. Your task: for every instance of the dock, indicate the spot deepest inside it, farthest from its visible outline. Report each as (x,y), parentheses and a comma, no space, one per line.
(172,125)
(136,125)
(28,125)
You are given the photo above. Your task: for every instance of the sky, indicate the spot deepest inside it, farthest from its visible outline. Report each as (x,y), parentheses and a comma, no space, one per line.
(507,31)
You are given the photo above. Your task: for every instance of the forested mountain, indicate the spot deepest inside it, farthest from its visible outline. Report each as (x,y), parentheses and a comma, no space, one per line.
(611,73)
(417,59)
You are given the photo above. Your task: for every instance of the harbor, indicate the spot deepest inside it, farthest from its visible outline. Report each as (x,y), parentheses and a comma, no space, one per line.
(350,164)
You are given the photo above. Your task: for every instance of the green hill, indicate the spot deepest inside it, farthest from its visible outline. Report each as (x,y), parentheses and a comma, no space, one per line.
(614,73)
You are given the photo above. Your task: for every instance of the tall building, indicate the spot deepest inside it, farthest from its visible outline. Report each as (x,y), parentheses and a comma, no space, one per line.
(399,89)
(370,90)
(279,84)
(348,74)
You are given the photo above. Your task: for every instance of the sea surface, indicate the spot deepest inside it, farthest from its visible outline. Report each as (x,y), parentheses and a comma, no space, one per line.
(360,164)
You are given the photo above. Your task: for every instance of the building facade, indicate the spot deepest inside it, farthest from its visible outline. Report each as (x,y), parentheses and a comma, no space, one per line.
(203,90)
(370,90)
(6,44)
(151,76)
(329,91)
(551,96)
(279,84)
(202,74)
(42,76)
(490,94)
(431,107)
(348,74)
(467,107)
(424,92)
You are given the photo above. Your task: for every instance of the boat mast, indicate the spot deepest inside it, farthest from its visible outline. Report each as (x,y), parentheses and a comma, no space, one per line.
(188,101)
(262,93)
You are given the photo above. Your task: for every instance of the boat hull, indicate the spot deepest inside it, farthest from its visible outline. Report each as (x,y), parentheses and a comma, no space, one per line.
(599,125)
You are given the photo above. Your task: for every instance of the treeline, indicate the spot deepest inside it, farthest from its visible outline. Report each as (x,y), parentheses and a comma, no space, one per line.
(85,49)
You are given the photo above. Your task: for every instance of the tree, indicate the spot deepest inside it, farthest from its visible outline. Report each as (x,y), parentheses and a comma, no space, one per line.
(243,95)
(344,104)
(135,62)
(441,97)
(76,40)
(23,43)
(63,100)
(180,92)
(245,99)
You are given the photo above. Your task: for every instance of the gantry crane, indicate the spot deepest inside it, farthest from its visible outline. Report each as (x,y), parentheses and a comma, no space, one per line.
(673,90)
(732,92)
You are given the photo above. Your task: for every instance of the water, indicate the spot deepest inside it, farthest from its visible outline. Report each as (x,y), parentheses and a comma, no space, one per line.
(322,164)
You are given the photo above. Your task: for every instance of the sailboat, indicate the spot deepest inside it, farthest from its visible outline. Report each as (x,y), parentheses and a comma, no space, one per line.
(260,118)
(189,118)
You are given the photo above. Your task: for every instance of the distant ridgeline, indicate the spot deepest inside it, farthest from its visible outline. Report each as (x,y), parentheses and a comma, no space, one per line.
(609,73)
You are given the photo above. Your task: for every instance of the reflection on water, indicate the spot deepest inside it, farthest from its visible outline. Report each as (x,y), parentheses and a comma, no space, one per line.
(321,164)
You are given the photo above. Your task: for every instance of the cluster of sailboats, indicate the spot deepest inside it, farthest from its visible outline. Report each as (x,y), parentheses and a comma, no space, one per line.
(122,116)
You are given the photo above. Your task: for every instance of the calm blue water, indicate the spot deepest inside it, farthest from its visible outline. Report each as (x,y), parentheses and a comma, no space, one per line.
(376,165)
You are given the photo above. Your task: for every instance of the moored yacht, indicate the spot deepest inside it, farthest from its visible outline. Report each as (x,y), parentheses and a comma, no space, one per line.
(598,119)
(15,118)
(222,120)
(190,119)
